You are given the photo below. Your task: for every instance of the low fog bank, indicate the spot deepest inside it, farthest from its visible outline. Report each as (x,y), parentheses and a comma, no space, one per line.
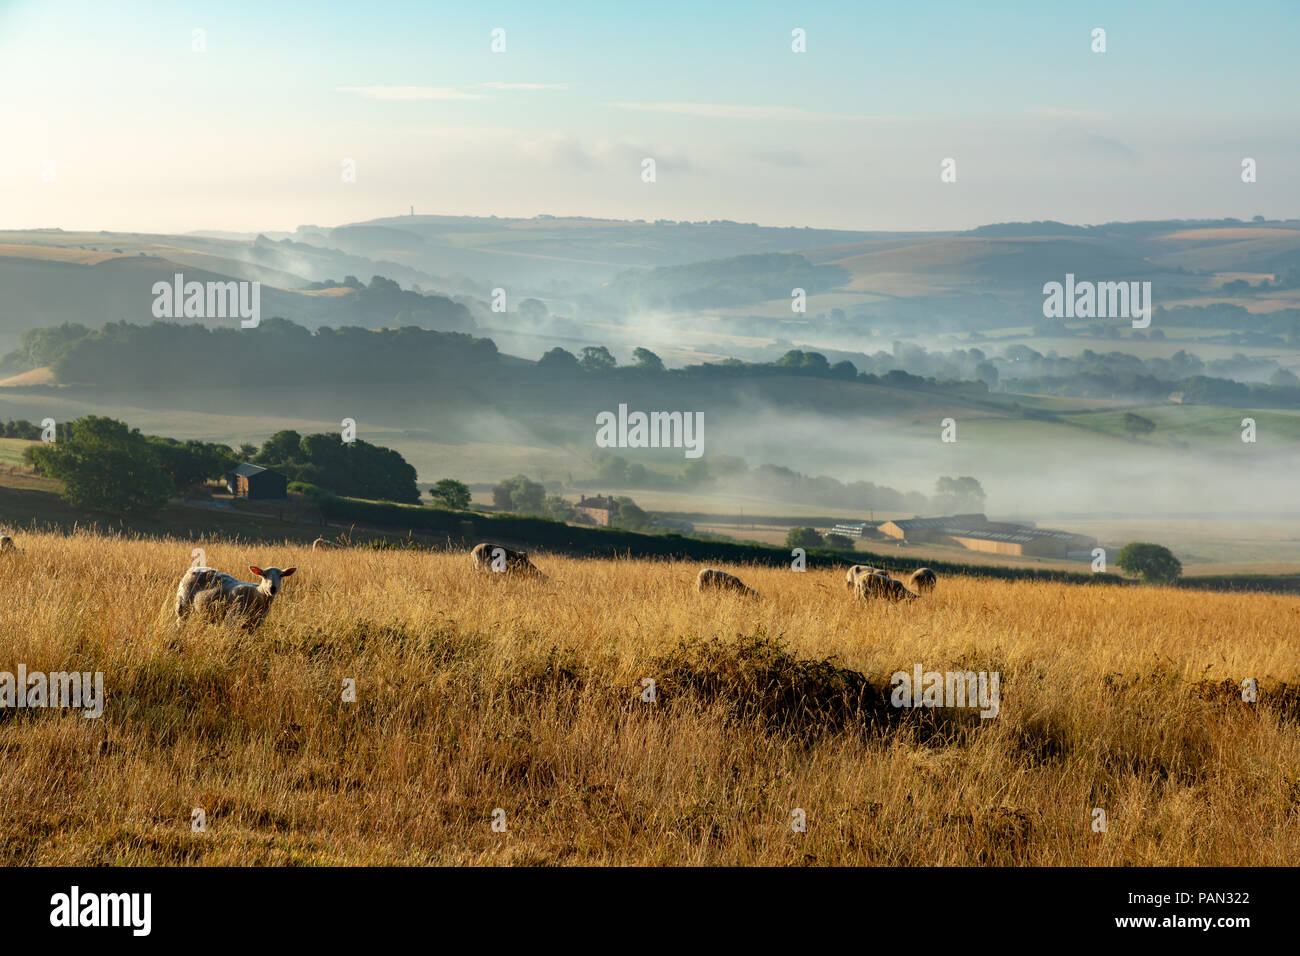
(1031,469)
(1078,473)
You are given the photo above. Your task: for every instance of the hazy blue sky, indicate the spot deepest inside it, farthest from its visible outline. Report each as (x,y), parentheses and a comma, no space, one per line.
(146,134)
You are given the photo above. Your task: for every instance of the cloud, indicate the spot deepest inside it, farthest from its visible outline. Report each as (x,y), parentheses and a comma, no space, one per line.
(722,111)
(499,85)
(557,149)
(1056,112)
(412,93)
(563,150)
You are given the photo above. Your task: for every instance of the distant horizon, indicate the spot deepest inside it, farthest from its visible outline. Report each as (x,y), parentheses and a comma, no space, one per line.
(1245,221)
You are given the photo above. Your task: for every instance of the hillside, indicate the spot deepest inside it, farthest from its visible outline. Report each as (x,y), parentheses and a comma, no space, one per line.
(476,695)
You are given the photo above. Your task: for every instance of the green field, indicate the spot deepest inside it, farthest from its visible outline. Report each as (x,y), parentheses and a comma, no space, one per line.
(11,451)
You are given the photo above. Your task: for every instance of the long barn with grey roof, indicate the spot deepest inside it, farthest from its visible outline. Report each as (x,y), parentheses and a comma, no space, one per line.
(976,533)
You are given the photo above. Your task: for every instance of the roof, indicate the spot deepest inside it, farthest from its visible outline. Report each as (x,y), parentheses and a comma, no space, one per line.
(596,504)
(248,470)
(965,521)
(978,528)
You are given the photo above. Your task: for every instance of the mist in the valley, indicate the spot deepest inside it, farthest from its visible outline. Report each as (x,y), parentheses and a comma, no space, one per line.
(1023,475)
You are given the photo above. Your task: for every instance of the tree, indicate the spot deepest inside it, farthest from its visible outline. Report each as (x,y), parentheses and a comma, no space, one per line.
(958,495)
(597,358)
(811,362)
(1283,378)
(192,462)
(22,428)
(647,360)
(806,538)
(560,508)
(357,469)
(1153,563)
(628,515)
(451,493)
(107,466)
(840,542)
(520,495)
(695,473)
(613,470)
(247,451)
(281,448)
(559,360)
(1137,425)
(45,346)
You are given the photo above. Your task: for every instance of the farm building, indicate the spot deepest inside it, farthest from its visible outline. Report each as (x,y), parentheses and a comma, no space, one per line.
(849,530)
(598,509)
(255,482)
(976,533)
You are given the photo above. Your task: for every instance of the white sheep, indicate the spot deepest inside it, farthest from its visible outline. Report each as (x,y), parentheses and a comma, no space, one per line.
(215,594)
(856,571)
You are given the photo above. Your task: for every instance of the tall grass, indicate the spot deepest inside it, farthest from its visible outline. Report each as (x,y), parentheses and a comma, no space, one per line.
(477,692)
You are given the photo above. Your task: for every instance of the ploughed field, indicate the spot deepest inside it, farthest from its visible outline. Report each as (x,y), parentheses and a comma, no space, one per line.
(481,698)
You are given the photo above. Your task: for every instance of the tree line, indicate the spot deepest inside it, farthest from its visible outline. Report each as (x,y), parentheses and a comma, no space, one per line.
(105,465)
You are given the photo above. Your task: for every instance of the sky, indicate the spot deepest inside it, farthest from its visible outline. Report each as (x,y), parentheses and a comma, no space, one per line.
(110,118)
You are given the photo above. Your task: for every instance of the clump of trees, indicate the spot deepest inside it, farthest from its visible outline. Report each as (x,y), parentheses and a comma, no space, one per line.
(105,465)
(629,516)
(962,495)
(521,495)
(22,428)
(355,469)
(171,353)
(1153,563)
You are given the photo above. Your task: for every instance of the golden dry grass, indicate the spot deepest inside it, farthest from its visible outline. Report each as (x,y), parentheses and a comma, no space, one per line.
(477,692)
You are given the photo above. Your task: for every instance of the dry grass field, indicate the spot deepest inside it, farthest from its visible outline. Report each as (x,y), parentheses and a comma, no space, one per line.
(481,692)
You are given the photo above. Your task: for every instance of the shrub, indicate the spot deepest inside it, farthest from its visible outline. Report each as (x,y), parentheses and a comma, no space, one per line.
(806,538)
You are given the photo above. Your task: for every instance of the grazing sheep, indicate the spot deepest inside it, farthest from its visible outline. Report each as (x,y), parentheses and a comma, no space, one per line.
(852,574)
(881,585)
(7,544)
(922,580)
(712,579)
(495,557)
(215,594)
(320,544)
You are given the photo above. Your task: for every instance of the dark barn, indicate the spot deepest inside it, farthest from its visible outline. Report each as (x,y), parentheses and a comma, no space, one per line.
(254,481)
